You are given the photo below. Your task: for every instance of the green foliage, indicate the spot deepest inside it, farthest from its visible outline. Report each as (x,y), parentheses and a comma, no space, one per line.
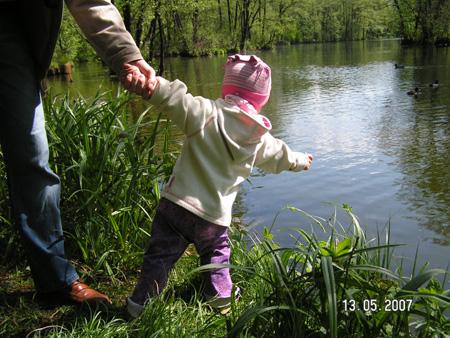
(111,173)
(423,21)
(202,27)
(306,290)
(9,235)
(71,45)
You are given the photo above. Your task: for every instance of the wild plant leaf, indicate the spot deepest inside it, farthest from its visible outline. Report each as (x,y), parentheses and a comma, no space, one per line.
(209,267)
(267,234)
(374,248)
(344,246)
(317,220)
(357,230)
(425,293)
(378,269)
(328,276)
(103,257)
(326,251)
(251,313)
(421,279)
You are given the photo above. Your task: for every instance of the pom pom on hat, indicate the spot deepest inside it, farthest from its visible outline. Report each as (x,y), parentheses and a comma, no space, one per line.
(248,77)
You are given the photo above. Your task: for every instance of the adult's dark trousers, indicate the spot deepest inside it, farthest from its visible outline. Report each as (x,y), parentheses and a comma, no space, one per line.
(34,189)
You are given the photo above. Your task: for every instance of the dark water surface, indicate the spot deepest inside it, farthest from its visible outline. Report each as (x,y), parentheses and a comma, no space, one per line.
(384,153)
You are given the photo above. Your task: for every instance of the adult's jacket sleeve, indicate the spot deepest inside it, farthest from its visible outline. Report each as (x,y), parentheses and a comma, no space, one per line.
(103,26)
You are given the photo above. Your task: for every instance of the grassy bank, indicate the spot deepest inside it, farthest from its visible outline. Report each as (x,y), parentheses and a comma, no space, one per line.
(112,166)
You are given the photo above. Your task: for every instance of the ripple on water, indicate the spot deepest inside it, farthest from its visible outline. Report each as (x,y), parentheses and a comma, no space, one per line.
(375,147)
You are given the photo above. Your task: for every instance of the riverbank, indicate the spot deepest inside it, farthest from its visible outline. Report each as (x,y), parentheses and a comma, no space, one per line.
(112,167)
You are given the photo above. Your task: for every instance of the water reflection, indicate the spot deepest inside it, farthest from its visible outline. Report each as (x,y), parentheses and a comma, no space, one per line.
(418,137)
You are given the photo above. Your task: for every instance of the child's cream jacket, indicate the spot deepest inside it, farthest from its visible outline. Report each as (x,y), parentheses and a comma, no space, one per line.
(223,143)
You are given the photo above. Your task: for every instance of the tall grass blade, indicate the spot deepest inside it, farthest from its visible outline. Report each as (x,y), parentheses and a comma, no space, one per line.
(328,276)
(413,273)
(209,267)
(421,279)
(250,314)
(378,269)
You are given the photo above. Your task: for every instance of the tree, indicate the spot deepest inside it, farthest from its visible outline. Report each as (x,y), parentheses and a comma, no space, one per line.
(203,27)
(423,21)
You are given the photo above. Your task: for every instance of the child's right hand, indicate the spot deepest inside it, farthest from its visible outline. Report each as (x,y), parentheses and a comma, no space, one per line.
(309,160)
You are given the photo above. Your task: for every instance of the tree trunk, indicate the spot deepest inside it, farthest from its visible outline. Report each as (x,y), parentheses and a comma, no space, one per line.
(161,40)
(235,15)
(402,20)
(219,8)
(195,25)
(263,26)
(245,23)
(229,15)
(151,35)
(127,15)
(139,23)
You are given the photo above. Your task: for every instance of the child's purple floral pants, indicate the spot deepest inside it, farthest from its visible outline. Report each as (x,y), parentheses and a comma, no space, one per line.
(173,229)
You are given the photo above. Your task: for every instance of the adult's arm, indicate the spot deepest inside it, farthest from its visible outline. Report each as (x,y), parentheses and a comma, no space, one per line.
(103,26)
(101,23)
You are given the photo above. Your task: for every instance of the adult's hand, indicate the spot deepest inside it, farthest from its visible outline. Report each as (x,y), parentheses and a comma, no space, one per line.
(138,77)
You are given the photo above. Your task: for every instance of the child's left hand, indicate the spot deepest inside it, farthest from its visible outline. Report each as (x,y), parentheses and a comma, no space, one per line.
(309,159)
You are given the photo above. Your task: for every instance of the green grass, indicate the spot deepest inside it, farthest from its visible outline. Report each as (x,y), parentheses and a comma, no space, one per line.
(112,167)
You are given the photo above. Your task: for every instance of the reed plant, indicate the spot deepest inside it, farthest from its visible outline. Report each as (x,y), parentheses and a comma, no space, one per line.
(344,286)
(111,176)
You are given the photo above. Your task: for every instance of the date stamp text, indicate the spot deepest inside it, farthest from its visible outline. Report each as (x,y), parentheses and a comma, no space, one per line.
(373,305)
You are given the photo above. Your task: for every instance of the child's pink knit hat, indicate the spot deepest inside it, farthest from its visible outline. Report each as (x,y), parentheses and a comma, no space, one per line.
(248,77)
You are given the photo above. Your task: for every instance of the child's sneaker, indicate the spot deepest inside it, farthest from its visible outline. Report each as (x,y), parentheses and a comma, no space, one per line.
(222,304)
(134,309)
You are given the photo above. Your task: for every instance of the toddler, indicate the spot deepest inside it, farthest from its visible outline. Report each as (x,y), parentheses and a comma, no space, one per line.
(225,139)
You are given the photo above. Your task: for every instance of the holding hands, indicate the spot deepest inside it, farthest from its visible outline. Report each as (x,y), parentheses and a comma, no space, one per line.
(138,77)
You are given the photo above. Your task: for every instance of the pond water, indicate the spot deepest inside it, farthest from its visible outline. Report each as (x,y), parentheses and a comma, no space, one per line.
(384,153)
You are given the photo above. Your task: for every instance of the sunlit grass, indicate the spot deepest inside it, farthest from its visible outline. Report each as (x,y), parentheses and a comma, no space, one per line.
(111,176)
(306,287)
(296,291)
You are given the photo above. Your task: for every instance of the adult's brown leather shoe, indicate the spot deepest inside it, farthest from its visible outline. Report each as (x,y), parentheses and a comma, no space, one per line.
(80,293)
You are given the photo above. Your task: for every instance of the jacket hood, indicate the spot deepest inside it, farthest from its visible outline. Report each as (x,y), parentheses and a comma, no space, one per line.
(241,131)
